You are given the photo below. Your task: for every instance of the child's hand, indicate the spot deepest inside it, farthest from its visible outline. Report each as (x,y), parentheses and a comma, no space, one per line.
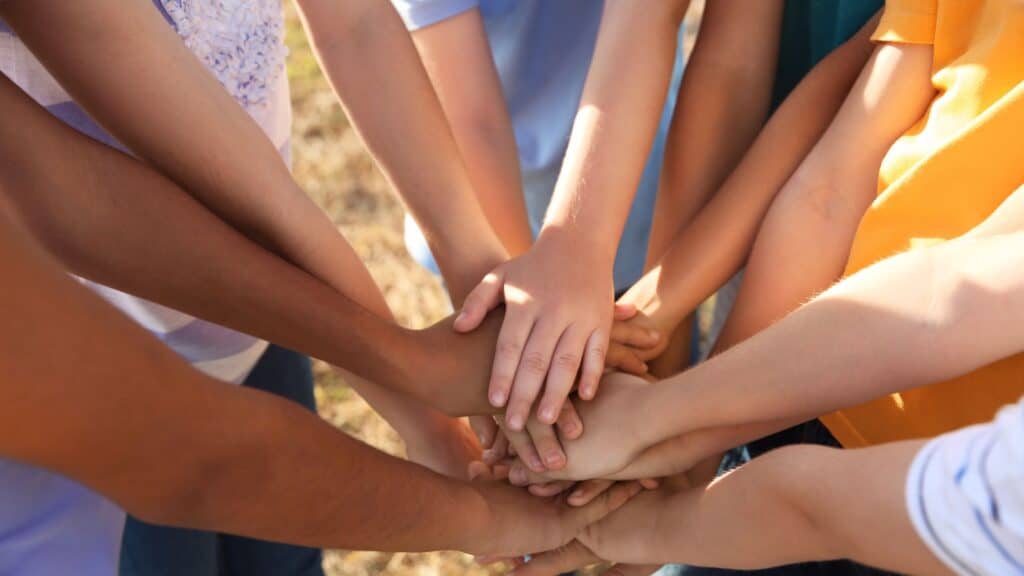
(614,436)
(558,301)
(635,339)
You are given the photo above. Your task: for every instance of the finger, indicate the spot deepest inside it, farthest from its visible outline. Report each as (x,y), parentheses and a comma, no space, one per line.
(622,358)
(498,451)
(525,450)
(486,429)
(551,488)
(515,330)
(530,375)
(623,311)
(632,570)
(604,504)
(484,298)
(558,561)
(519,474)
(593,364)
(569,424)
(546,443)
(587,491)
(478,470)
(634,335)
(565,364)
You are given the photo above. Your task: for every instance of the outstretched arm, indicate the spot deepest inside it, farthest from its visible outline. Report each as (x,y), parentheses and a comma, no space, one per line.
(792,505)
(369,58)
(112,219)
(704,254)
(947,303)
(113,403)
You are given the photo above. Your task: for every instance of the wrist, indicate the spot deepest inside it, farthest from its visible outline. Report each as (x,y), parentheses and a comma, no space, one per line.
(597,250)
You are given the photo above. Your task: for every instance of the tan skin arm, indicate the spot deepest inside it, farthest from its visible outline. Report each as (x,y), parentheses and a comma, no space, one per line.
(114,402)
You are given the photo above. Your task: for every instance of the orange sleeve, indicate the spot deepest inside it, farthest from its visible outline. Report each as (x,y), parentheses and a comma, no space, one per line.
(907,22)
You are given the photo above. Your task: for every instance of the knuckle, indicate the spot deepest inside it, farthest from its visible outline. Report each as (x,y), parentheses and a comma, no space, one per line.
(510,348)
(567,360)
(534,363)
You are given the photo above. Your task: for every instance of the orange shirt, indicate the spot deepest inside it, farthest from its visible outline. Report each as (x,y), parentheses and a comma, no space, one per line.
(944,176)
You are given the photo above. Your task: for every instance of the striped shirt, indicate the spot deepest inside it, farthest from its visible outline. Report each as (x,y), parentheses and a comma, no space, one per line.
(965,496)
(49,524)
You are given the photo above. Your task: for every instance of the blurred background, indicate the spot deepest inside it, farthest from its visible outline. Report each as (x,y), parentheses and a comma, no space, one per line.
(331,164)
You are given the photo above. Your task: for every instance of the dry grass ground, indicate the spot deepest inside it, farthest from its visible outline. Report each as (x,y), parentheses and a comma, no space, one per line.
(334,168)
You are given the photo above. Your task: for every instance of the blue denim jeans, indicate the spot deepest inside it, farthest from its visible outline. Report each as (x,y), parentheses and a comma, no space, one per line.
(150,550)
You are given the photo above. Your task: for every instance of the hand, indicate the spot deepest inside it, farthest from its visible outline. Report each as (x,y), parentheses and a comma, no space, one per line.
(614,435)
(450,369)
(514,523)
(634,340)
(558,303)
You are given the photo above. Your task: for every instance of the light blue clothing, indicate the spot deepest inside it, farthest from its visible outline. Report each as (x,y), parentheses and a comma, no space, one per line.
(52,525)
(542,51)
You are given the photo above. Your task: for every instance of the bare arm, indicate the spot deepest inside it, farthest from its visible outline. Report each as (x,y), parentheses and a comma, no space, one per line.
(458,60)
(112,219)
(205,142)
(793,505)
(956,304)
(723,102)
(703,255)
(113,403)
(366,53)
(559,295)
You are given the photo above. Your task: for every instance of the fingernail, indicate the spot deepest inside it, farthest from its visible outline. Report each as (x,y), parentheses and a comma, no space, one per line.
(547,415)
(553,459)
(497,398)
(460,317)
(654,334)
(576,496)
(515,422)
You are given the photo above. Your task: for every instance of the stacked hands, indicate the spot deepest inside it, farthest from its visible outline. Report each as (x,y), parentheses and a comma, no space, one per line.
(543,425)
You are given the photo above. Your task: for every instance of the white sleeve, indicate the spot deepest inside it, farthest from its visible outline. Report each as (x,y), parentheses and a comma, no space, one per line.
(965,496)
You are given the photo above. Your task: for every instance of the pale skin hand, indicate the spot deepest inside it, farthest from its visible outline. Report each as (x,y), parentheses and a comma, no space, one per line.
(559,295)
(947,303)
(789,506)
(706,252)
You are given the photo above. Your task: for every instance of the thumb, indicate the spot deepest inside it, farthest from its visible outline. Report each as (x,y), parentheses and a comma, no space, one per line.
(484,298)
(608,502)
(623,311)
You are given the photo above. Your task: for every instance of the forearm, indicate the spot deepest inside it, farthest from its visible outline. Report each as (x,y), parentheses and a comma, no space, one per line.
(458,60)
(722,105)
(796,505)
(863,338)
(201,138)
(706,253)
(371,62)
(113,220)
(109,384)
(615,125)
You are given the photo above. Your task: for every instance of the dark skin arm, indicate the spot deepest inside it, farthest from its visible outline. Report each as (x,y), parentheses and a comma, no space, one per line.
(113,220)
(113,402)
